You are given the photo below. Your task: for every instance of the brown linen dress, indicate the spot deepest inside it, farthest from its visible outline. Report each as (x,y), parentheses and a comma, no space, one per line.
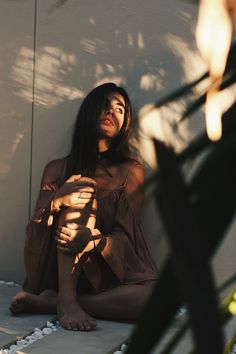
(124,259)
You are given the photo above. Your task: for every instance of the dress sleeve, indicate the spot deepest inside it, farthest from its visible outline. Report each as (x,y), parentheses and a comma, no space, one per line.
(134,187)
(125,249)
(44,209)
(39,242)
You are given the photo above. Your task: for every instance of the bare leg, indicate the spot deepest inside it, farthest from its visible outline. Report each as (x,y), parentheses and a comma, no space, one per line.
(70,314)
(24,302)
(124,302)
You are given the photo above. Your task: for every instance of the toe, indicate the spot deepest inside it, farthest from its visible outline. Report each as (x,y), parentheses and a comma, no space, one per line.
(93,323)
(87,325)
(81,326)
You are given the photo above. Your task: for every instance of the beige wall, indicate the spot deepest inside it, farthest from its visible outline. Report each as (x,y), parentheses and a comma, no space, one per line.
(150,50)
(16,43)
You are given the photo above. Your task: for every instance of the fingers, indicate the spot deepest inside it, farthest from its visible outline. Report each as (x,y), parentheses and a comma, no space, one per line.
(63,239)
(82,181)
(64,231)
(74,178)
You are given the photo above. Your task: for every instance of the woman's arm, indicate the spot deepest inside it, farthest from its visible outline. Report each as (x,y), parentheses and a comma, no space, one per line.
(73,241)
(40,245)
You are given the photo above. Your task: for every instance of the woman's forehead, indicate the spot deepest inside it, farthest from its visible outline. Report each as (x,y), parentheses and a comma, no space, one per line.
(116,97)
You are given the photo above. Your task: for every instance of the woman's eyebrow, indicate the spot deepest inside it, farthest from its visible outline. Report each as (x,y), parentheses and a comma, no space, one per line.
(119,102)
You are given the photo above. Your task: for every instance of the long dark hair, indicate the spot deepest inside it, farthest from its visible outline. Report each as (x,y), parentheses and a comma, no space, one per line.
(83,157)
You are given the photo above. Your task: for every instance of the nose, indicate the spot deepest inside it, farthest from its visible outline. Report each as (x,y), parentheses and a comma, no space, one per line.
(109,111)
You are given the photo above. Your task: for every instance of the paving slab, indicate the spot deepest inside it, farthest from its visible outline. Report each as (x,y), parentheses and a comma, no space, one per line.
(105,339)
(15,327)
(185,345)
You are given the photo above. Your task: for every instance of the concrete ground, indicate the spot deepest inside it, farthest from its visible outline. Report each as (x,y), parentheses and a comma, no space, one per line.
(106,339)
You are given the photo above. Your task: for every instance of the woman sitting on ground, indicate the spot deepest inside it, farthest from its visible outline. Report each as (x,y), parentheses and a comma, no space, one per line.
(85,254)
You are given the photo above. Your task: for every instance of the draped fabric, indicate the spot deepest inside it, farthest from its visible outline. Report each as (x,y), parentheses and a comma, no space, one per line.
(125,257)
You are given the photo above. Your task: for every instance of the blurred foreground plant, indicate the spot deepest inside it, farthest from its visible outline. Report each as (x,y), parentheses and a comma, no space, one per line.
(196,215)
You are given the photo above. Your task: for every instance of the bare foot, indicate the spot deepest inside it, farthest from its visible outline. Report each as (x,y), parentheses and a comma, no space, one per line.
(24,302)
(72,316)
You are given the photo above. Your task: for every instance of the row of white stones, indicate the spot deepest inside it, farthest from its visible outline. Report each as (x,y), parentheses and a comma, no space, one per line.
(36,335)
(8,283)
(122,349)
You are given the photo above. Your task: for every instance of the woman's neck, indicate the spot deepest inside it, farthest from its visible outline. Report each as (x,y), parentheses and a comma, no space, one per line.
(103,145)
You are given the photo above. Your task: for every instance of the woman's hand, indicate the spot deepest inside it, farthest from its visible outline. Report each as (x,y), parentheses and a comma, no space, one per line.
(76,191)
(74,241)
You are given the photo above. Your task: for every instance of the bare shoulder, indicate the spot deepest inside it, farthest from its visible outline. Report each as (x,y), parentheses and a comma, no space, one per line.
(52,171)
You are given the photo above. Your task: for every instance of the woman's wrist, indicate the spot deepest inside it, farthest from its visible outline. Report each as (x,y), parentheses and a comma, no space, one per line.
(56,205)
(99,241)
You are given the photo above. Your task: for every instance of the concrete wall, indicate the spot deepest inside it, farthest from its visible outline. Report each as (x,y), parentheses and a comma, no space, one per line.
(52,55)
(16,73)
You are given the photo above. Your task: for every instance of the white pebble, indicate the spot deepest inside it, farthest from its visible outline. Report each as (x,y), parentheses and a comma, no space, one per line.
(37,330)
(32,341)
(49,324)
(10,283)
(2,282)
(22,342)
(118,352)
(123,347)
(47,331)
(13,347)
(37,335)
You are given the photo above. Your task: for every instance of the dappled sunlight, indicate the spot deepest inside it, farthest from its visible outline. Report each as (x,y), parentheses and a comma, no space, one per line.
(190,59)
(92,21)
(52,67)
(153,81)
(140,41)
(108,73)
(7,330)
(118,80)
(162,124)
(16,142)
(22,74)
(10,126)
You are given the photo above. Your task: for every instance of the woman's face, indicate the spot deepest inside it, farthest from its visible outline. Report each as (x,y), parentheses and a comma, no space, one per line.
(112,116)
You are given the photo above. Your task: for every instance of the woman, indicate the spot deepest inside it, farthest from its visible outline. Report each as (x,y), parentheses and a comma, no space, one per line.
(85,254)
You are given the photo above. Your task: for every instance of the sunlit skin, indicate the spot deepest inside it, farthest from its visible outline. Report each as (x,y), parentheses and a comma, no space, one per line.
(75,224)
(111,120)
(213,35)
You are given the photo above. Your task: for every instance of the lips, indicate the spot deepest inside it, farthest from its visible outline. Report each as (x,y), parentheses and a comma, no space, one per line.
(107,121)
